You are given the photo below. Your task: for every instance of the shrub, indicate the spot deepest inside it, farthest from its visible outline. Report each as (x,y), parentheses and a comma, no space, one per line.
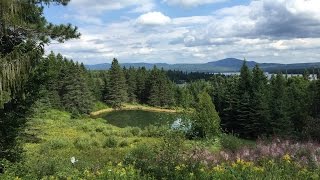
(312,129)
(83,143)
(154,131)
(231,142)
(110,142)
(99,129)
(135,131)
(124,143)
(57,144)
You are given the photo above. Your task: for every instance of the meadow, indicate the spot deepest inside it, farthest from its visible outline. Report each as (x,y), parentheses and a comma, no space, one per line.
(105,151)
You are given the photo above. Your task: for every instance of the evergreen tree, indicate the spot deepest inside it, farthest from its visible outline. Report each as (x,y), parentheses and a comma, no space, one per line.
(132,84)
(298,102)
(229,113)
(23,33)
(315,94)
(260,115)
(244,109)
(154,86)
(77,97)
(116,87)
(141,85)
(206,121)
(280,123)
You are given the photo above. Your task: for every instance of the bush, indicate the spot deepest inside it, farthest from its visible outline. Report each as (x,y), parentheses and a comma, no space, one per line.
(154,131)
(135,131)
(231,142)
(110,142)
(312,129)
(99,129)
(83,143)
(124,143)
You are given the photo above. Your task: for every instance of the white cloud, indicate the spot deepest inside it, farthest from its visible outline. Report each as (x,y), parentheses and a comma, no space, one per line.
(153,18)
(100,6)
(191,3)
(283,31)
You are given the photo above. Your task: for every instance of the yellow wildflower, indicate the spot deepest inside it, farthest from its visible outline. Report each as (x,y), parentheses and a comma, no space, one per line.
(178,168)
(287,158)
(219,168)
(258,169)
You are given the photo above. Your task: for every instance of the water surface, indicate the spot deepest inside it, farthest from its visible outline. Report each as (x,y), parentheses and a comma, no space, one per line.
(139,118)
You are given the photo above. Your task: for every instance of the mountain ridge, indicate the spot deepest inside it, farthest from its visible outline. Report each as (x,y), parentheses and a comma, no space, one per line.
(223,65)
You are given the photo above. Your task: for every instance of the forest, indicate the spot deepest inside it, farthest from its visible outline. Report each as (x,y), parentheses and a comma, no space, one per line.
(59,120)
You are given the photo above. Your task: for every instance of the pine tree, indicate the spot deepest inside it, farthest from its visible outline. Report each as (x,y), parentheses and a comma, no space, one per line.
(206,121)
(298,102)
(229,114)
(279,123)
(244,111)
(132,85)
(142,85)
(77,97)
(154,86)
(260,115)
(116,87)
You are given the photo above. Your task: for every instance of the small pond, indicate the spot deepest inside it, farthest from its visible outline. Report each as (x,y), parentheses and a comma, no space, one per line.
(139,118)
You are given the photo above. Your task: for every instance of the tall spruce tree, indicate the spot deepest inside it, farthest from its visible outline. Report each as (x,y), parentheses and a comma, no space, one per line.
(229,114)
(280,123)
(260,114)
(116,87)
(141,85)
(132,84)
(206,121)
(154,87)
(77,97)
(244,109)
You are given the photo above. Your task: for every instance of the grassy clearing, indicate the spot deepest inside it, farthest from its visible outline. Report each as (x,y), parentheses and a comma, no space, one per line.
(129,107)
(104,151)
(93,142)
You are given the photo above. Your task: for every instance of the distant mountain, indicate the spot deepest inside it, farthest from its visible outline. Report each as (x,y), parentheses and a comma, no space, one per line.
(224,65)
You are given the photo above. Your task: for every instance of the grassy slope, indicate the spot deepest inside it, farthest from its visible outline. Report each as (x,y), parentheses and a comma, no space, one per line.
(55,137)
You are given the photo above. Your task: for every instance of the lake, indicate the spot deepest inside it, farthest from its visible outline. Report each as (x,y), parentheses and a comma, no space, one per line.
(139,118)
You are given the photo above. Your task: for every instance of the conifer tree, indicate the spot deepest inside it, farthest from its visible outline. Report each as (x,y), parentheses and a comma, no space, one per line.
(77,97)
(206,121)
(244,111)
(141,85)
(132,84)
(260,115)
(154,86)
(280,122)
(229,113)
(116,87)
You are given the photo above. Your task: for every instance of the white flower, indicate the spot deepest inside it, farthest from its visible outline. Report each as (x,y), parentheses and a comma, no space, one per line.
(73,160)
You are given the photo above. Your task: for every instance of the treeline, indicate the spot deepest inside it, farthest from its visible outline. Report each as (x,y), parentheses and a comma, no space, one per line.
(252,106)
(181,77)
(64,85)
(249,105)
(118,86)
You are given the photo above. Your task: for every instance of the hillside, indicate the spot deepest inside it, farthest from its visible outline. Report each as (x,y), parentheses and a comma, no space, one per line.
(224,65)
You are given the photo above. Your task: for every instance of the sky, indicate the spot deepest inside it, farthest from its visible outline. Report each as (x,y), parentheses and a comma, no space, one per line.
(190,31)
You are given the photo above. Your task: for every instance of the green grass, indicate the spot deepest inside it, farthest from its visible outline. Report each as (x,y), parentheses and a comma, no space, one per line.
(97,145)
(92,141)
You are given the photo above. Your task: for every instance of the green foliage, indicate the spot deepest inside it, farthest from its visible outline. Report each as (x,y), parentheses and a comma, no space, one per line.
(160,89)
(64,84)
(110,142)
(232,143)
(206,121)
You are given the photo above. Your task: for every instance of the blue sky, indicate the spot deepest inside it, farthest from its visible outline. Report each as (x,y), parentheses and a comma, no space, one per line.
(190,31)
